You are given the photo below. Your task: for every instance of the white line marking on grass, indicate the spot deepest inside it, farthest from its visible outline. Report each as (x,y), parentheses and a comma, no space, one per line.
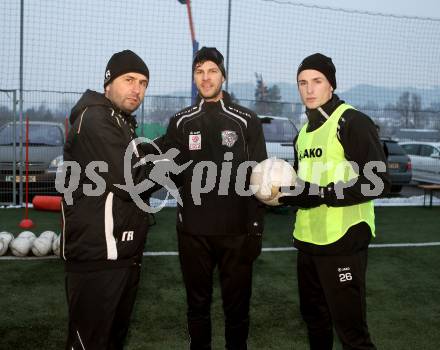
(274,249)
(11,257)
(397,245)
(160,253)
(383,245)
(278,249)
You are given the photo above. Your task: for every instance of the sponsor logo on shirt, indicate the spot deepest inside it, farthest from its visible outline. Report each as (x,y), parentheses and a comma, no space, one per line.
(195,141)
(310,153)
(229,137)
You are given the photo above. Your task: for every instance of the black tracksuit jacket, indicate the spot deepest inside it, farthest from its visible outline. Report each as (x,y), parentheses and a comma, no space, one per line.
(360,141)
(107,228)
(204,132)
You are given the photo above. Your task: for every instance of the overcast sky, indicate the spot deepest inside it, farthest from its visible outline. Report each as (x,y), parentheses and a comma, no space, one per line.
(68,43)
(423,8)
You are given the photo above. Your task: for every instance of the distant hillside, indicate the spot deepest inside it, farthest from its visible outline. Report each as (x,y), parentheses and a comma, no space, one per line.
(246,91)
(363,94)
(359,95)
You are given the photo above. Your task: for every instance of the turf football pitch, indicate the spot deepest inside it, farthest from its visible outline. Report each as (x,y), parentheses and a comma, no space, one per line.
(403,288)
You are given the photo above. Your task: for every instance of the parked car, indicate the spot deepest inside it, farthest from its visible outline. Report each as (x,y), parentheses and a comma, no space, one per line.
(425,158)
(429,135)
(279,133)
(46,142)
(399,164)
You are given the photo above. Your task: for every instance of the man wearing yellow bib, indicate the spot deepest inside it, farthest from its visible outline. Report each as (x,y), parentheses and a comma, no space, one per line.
(341,168)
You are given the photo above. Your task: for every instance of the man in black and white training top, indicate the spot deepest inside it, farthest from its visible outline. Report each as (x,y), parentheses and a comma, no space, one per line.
(104,231)
(217,226)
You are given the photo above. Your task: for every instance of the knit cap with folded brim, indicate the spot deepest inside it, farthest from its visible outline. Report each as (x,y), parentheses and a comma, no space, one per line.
(209,54)
(322,64)
(124,62)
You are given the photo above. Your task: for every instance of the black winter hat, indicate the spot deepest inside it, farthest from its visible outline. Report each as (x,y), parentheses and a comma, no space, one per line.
(124,62)
(320,63)
(209,54)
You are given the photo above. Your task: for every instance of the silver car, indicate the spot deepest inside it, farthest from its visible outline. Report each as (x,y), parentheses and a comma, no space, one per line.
(279,133)
(425,159)
(46,142)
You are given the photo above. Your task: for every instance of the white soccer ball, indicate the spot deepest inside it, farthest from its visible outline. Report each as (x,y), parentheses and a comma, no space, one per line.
(6,236)
(268,176)
(50,235)
(20,246)
(56,245)
(43,244)
(27,235)
(5,240)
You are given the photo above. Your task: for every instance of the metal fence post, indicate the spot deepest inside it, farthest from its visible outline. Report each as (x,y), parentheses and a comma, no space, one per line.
(14,165)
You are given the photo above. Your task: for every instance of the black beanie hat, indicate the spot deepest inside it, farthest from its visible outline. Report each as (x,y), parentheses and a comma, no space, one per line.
(124,62)
(209,54)
(322,64)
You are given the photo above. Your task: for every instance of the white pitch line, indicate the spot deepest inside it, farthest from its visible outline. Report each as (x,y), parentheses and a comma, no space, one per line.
(275,249)
(384,245)
(29,257)
(160,253)
(285,249)
(398,245)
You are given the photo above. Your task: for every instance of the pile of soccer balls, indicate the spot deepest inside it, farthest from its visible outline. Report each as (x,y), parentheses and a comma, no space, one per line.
(266,179)
(48,242)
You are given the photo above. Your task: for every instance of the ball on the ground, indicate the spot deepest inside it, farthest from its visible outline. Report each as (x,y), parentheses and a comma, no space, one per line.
(5,240)
(268,176)
(50,235)
(43,244)
(56,245)
(27,234)
(20,246)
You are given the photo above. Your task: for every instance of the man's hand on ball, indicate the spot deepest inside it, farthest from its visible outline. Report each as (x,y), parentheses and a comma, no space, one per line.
(306,195)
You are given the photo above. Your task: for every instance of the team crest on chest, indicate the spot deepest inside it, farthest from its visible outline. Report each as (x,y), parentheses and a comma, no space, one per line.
(195,141)
(229,137)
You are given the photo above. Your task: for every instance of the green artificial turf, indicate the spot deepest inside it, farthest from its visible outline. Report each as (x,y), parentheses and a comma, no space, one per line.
(403,289)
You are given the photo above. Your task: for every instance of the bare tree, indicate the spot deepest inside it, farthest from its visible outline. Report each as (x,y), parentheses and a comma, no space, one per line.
(416,110)
(403,106)
(267,99)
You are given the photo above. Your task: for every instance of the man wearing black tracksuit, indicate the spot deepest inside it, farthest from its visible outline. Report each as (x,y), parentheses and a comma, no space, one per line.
(217,224)
(335,220)
(104,231)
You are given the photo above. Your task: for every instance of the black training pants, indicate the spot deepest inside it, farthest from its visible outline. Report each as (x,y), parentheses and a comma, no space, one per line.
(199,255)
(332,293)
(100,304)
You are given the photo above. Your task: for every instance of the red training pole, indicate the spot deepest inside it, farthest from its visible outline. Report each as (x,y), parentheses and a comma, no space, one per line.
(27,167)
(27,223)
(191,26)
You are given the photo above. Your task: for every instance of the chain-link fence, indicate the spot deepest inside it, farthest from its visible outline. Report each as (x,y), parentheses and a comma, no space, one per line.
(387,65)
(10,152)
(31,147)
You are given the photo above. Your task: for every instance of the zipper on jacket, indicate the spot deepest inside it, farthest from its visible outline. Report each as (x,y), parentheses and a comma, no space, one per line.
(63,244)
(81,120)
(112,251)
